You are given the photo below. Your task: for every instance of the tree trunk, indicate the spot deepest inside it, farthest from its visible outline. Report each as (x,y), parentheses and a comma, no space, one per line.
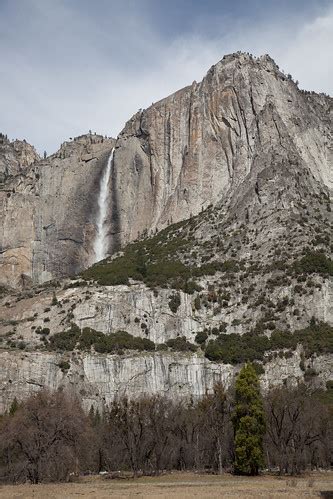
(219,455)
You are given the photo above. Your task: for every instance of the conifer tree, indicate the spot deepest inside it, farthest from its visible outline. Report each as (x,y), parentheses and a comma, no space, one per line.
(249,423)
(13,407)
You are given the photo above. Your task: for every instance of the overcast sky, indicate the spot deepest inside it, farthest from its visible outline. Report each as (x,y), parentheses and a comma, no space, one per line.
(68,66)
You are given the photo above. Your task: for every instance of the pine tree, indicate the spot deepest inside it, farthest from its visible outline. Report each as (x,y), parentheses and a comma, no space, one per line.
(13,407)
(249,423)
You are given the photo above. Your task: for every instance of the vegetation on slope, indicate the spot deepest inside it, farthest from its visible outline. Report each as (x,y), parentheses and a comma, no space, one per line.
(203,245)
(227,348)
(236,348)
(102,343)
(158,262)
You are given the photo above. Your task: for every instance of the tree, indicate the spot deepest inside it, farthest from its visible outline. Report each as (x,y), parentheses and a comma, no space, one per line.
(43,440)
(215,423)
(141,265)
(249,423)
(127,422)
(13,407)
(299,431)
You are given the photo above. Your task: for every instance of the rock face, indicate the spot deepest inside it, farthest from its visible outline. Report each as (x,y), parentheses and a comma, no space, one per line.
(48,210)
(200,145)
(99,379)
(247,158)
(246,124)
(145,313)
(15,157)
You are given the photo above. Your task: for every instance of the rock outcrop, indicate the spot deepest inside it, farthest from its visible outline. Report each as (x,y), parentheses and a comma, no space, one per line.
(48,210)
(15,158)
(199,145)
(99,379)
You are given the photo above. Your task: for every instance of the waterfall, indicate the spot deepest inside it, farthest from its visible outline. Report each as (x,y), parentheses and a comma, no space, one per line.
(101,239)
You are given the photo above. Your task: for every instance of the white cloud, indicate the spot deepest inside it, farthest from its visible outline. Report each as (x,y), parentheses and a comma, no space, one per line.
(64,72)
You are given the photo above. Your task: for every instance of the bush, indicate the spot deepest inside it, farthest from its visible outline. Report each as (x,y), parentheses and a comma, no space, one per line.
(64,365)
(315,263)
(329,385)
(234,348)
(114,342)
(180,344)
(197,303)
(310,373)
(161,347)
(201,337)
(259,368)
(66,340)
(174,302)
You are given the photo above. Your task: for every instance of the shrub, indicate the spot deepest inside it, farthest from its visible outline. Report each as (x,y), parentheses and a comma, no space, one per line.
(66,340)
(259,368)
(315,262)
(64,365)
(54,300)
(201,337)
(234,348)
(329,384)
(180,344)
(310,373)
(102,343)
(161,347)
(157,261)
(197,303)
(174,302)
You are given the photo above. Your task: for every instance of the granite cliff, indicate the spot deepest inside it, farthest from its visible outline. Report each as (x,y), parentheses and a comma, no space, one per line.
(48,209)
(237,171)
(197,147)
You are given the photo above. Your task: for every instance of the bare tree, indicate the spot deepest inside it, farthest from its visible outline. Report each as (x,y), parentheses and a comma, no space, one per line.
(298,430)
(43,439)
(215,423)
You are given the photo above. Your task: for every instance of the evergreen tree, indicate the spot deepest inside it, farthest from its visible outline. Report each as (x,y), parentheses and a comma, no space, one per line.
(249,423)
(13,407)
(141,265)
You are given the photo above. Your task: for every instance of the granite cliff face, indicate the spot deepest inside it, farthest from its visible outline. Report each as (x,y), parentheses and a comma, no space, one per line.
(200,145)
(239,167)
(48,209)
(98,380)
(245,123)
(15,157)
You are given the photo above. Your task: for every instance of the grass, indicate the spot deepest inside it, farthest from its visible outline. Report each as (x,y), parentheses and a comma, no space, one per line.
(177,484)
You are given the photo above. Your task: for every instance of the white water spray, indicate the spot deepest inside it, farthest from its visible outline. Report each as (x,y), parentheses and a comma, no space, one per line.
(101,239)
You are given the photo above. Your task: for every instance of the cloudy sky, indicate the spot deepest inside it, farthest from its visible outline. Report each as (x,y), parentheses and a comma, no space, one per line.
(68,66)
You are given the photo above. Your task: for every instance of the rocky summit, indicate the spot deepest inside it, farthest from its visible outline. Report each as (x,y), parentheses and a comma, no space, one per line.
(213,207)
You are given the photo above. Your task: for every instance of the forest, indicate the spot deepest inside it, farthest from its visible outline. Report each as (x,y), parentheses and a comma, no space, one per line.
(49,437)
